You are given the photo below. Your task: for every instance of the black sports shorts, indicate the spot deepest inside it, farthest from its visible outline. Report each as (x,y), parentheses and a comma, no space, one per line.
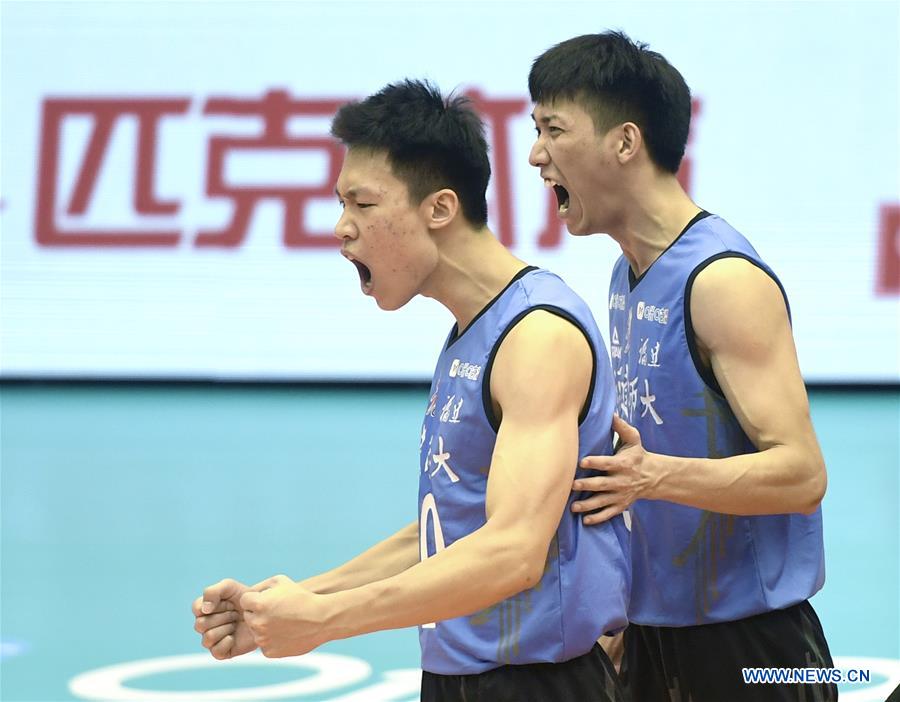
(704,663)
(587,678)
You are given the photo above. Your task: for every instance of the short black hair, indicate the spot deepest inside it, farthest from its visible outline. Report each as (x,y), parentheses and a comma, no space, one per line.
(619,80)
(431,142)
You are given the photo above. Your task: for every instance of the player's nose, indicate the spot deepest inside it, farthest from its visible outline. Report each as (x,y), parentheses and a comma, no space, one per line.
(538,155)
(343,228)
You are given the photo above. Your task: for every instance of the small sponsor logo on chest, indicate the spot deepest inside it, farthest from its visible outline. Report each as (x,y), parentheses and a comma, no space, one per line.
(614,347)
(652,313)
(462,369)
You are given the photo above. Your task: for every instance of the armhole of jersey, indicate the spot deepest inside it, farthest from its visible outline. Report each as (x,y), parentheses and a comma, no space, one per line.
(486,379)
(705,373)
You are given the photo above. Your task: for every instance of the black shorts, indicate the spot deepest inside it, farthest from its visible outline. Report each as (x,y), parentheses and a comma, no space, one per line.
(587,678)
(703,663)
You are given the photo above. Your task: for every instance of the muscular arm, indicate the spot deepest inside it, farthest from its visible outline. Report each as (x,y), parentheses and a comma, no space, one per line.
(219,617)
(532,465)
(530,476)
(743,333)
(389,557)
(742,327)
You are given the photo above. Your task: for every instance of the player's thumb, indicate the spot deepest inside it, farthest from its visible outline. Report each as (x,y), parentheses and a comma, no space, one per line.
(628,435)
(214,594)
(269,583)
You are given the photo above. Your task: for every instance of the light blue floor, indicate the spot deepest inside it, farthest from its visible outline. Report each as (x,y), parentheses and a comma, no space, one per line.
(120,503)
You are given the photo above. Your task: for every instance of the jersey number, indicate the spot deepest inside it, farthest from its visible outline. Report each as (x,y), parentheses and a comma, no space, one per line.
(429,507)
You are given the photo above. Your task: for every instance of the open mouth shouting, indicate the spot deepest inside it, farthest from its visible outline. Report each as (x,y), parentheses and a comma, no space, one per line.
(562,196)
(365,275)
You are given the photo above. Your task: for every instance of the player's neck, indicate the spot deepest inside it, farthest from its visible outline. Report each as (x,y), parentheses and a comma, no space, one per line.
(655,217)
(474,268)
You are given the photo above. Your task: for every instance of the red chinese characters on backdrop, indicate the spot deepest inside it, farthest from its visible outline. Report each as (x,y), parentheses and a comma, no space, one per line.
(275,108)
(105,113)
(887,274)
(498,113)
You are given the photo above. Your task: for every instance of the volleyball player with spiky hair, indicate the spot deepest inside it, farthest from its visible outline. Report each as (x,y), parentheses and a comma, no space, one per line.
(508,588)
(719,467)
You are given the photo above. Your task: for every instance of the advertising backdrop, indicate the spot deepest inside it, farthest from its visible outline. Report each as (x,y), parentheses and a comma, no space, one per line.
(167,174)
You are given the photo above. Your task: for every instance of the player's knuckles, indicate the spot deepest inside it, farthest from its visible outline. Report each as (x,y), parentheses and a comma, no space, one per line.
(591,484)
(250,600)
(220,589)
(222,649)
(623,466)
(206,622)
(224,618)
(256,628)
(619,484)
(269,583)
(595,500)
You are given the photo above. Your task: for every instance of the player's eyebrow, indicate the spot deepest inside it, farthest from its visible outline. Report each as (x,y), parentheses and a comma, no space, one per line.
(545,118)
(355,192)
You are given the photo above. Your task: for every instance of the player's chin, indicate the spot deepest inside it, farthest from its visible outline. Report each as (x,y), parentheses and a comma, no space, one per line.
(390,303)
(578,228)
(578,224)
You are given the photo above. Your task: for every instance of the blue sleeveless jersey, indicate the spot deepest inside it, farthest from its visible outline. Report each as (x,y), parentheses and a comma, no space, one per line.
(584,589)
(691,566)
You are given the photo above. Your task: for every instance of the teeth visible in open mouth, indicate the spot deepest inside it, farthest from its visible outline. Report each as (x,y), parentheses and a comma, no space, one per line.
(365,275)
(562,197)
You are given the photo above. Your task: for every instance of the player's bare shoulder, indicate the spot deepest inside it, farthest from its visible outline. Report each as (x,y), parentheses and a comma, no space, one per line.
(543,356)
(735,302)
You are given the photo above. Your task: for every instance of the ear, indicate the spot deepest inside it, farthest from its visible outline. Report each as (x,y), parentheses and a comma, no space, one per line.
(440,208)
(630,142)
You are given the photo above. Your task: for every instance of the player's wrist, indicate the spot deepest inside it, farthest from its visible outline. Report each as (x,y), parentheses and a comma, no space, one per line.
(658,471)
(342,613)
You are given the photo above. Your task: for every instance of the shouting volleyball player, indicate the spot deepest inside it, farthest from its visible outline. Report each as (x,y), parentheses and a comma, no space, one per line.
(508,588)
(719,464)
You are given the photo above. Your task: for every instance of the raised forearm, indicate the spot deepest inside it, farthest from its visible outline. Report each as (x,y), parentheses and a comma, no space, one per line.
(485,567)
(387,558)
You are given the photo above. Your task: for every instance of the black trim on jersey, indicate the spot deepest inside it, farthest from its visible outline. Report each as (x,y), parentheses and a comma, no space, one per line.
(633,281)
(706,373)
(455,334)
(486,381)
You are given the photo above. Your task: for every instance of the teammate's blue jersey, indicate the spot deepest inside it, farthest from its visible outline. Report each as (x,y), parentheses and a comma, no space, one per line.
(584,589)
(691,566)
